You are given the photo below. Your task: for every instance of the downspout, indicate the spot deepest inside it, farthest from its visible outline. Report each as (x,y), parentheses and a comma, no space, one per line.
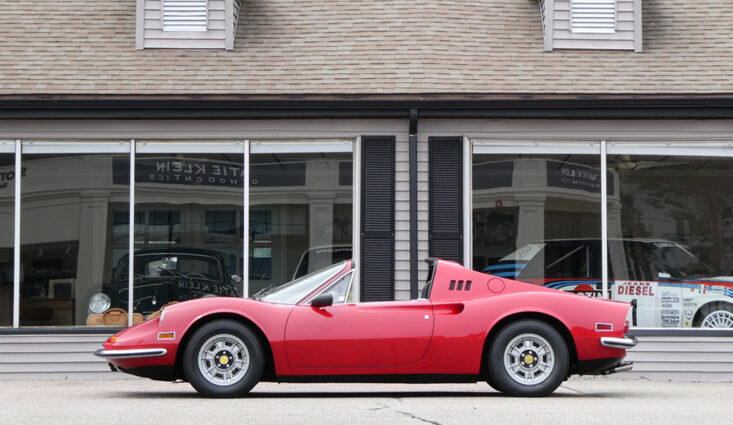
(413,204)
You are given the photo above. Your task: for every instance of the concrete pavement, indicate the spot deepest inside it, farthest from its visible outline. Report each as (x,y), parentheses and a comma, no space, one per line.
(584,400)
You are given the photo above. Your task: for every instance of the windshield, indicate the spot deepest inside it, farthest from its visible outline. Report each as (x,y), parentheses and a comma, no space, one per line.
(292,292)
(672,261)
(172,265)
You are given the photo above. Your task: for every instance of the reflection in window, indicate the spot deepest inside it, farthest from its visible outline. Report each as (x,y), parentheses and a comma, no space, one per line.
(66,254)
(188,230)
(674,221)
(300,215)
(7,208)
(537,218)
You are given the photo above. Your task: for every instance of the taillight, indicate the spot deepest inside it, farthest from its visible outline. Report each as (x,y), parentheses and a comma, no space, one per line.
(626,327)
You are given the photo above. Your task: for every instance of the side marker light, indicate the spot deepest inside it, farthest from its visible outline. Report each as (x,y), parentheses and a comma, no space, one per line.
(166,335)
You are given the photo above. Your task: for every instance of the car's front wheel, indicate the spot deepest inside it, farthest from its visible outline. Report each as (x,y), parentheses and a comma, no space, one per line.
(223,358)
(528,358)
(717,316)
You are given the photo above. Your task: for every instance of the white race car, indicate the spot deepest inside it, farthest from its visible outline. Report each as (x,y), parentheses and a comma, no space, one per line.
(665,283)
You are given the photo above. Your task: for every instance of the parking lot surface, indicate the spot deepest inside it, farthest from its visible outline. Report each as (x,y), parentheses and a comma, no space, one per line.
(578,401)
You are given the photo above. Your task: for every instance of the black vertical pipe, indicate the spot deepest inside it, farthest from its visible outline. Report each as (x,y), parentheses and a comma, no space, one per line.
(413,204)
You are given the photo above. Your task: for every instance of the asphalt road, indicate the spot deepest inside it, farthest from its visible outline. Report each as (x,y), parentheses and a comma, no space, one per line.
(578,401)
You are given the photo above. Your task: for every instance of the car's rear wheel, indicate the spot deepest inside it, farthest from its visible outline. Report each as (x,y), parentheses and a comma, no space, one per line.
(718,316)
(223,358)
(528,358)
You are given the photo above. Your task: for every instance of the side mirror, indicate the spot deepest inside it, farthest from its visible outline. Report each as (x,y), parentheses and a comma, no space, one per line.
(322,300)
(236,279)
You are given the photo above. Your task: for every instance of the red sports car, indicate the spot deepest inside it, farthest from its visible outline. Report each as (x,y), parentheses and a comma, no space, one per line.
(522,339)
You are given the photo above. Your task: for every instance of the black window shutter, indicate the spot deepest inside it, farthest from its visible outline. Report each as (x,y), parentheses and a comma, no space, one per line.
(446,198)
(377,218)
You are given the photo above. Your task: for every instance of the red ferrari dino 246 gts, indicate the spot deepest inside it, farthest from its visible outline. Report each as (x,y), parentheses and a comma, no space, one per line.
(467,326)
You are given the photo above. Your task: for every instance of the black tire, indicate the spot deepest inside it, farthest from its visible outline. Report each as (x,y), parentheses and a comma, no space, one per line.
(535,366)
(231,352)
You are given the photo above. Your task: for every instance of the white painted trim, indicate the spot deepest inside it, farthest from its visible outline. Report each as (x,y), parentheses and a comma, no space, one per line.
(7,146)
(229,24)
(52,147)
(140,25)
(245,221)
(534,147)
(671,149)
(604,221)
(131,238)
(16,236)
(189,147)
(550,28)
(638,33)
(467,204)
(356,221)
(306,146)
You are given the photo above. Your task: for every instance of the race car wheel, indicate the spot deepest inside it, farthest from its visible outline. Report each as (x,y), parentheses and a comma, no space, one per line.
(528,358)
(720,316)
(223,358)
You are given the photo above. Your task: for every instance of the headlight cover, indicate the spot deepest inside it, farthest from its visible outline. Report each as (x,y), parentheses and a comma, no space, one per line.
(99,303)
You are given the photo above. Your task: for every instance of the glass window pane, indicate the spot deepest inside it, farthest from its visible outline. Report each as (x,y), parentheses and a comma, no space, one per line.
(188,230)
(7,216)
(68,236)
(537,218)
(300,215)
(671,239)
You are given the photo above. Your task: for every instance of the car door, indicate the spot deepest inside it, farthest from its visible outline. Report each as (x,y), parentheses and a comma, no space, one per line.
(359,335)
(645,281)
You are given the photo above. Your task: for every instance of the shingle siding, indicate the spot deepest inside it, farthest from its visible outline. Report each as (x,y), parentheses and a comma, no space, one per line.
(329,47)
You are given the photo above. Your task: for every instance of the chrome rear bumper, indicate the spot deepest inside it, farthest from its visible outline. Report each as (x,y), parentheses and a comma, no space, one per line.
(131,354)
(620,343)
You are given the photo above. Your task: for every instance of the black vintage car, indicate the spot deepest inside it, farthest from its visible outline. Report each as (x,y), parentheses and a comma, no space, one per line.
(165,275)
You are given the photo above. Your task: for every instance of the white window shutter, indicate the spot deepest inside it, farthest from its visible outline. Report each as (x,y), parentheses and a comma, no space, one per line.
(593,16)
(184,15)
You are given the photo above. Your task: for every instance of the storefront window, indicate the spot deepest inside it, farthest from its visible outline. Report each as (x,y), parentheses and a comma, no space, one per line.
(537,218)
(671,239)
(67,223)
(300,214)
(188,227)
(7,202)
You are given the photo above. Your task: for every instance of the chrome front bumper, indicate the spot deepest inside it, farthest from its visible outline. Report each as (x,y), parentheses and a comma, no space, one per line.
(620,343)
(131,354)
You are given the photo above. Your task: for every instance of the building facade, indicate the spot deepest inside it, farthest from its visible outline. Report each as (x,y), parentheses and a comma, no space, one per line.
(317,131)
